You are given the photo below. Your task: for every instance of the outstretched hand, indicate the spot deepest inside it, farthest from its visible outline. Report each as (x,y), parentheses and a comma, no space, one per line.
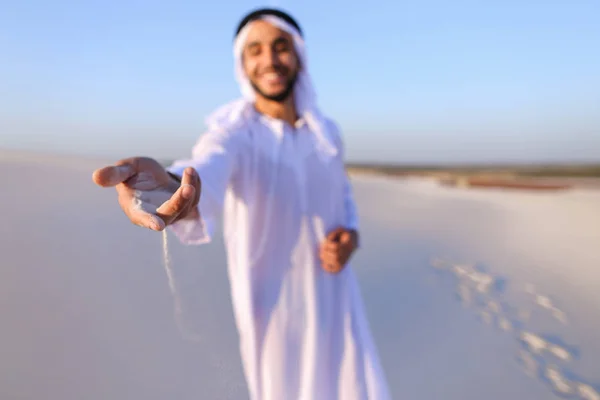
(337,248)
(148,195)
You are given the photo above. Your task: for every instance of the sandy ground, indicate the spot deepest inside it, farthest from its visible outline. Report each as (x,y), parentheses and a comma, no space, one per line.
(471,294)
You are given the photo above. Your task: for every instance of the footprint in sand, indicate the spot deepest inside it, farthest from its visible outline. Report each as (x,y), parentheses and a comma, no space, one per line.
(538,354)
(559,383)
(530,365)
(505,324)
(479,281)
(536,366)
(538,345)
(477,289)
(492,311)
(586,392)
(464,294)
(546,303)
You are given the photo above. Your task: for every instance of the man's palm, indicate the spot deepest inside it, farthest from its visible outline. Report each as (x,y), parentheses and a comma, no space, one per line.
(147,194)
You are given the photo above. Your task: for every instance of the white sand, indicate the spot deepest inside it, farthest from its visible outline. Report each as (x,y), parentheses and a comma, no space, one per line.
(471,294)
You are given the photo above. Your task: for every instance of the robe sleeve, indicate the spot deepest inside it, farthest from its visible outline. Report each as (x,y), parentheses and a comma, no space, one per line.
(352,221)
(351,210)
(213,157)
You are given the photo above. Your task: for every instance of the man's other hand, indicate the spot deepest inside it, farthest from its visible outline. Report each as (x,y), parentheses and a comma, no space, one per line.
(337,249)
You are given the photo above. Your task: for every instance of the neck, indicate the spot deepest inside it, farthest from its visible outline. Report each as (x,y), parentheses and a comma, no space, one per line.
(285,110)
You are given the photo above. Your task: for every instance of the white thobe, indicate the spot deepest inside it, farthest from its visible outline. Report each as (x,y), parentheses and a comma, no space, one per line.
(304,334)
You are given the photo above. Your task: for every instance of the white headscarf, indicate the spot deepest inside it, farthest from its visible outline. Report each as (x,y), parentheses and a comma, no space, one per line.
(304,95)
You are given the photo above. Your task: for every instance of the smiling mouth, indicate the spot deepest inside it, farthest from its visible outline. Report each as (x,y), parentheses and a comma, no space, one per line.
(273,77)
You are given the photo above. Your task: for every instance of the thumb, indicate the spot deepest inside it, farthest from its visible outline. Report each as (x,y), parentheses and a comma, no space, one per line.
(334,235)
(113,175)
(170,210)
(345,237)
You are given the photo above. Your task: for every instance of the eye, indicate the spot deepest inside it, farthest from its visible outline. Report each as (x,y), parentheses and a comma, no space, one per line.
(253,50)
(281,46)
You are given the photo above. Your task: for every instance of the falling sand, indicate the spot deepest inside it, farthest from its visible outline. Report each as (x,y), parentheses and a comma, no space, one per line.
(177,301)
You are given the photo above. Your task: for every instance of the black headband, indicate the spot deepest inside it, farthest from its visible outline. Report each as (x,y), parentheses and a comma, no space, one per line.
(256,14)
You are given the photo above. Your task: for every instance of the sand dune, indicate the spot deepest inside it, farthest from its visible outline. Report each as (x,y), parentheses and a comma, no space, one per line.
(471,294)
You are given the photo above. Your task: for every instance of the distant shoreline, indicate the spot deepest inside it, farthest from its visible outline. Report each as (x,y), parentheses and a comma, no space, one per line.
(524,177)
(554,170)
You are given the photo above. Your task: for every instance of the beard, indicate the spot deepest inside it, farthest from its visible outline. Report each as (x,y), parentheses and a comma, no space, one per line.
(282,95)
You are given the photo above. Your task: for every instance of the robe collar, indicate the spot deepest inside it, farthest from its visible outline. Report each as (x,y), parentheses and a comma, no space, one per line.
(323,142)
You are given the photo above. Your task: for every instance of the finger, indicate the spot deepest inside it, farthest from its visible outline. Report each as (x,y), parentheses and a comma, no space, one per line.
(113,175)
(329,258)
(198,187)
(329,252)
(172,208)
(146,219)
(345,237)
(190,177)
(187,177)
(340,256)
(334,234)
(139,212)
(331,246)
(333,268)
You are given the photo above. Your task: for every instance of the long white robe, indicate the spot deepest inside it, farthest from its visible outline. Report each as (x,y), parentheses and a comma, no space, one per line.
(303,332)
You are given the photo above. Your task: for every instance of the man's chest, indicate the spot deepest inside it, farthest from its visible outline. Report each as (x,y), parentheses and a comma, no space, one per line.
(289,169)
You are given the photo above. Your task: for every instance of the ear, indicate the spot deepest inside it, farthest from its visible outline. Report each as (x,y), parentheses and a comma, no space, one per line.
(243,62)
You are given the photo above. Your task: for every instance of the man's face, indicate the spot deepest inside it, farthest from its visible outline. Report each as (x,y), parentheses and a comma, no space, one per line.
(270,61)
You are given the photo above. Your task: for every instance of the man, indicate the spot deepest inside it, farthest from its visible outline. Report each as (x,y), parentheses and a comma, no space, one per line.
(272,165)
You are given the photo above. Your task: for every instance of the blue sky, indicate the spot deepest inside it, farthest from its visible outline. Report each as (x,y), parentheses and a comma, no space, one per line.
(408,81)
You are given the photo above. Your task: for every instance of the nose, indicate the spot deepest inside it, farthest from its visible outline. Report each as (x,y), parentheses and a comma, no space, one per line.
(271,58)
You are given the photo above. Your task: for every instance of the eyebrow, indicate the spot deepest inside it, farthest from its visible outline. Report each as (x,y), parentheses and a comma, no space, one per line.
(279,39)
